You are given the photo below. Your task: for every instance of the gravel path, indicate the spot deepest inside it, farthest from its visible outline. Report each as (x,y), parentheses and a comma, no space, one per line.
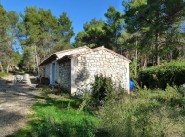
(16,100)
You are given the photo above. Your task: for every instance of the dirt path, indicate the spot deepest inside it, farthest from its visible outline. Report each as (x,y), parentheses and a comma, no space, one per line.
(16,100)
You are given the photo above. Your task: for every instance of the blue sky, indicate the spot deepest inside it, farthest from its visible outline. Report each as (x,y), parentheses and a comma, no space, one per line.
(79,11)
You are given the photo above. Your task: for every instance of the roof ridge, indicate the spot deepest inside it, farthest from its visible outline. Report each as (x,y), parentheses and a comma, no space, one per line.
(99,48)
(63,52)
(115,53)
(71,49)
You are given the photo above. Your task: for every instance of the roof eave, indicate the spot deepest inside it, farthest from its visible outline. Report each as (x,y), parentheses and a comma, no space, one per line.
(64,59)
(48,60)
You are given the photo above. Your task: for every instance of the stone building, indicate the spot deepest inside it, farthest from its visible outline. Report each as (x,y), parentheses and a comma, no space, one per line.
(75,69)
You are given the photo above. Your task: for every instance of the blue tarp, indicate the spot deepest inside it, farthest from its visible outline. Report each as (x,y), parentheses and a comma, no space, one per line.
(131,85)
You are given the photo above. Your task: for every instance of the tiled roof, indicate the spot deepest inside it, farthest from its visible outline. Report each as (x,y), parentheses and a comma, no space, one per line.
(71,53)
(61,54)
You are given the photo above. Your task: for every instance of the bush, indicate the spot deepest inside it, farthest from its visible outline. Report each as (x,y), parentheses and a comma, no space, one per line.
(159,76)
(148,114)
(101,90)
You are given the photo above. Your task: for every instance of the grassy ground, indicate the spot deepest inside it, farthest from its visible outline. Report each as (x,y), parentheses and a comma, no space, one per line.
(3,74)
(57,116)
(147,113)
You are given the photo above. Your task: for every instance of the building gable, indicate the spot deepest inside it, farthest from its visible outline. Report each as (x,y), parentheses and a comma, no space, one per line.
(99,62)
(100,51)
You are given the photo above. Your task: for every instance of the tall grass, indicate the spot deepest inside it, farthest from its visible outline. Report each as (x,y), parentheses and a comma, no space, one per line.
(147,114)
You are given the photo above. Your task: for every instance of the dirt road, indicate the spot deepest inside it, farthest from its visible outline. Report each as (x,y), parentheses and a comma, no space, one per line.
(16,100)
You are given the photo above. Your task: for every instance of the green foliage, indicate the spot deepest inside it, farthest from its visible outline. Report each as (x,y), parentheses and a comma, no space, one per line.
(7,37)
(43,33)
(64,33)
(59,118)
(113,28)
(167,73)
(98,32)
(147,114)
(101,90)
(156,27)
(3,74)
(133,65)
(26,65)
(17,57)
(93,34)
(66,28)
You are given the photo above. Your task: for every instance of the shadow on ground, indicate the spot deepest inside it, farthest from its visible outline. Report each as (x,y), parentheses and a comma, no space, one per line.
(61,118)
(16,100)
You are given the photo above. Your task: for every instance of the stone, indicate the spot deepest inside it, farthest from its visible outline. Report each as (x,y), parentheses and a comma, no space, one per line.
(86,66)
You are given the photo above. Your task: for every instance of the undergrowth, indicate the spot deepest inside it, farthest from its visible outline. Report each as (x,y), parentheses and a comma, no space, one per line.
(59,118)
(148,113)
(3,74)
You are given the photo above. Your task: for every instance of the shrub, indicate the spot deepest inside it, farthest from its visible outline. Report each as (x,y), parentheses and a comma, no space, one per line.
(101,90)
(148,114)
(167,73)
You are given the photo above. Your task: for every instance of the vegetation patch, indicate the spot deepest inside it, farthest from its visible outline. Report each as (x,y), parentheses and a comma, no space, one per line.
(3,74)
(172,73)
(59,117)
(147,114)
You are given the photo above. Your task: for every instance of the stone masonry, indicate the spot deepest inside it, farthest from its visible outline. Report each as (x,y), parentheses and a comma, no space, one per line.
(76,69)
(100,62)
(65,75)
(44,71)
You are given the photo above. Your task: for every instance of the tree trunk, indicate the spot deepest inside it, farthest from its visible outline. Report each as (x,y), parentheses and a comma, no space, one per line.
(7,68)
(145,61)
(1,67)
(136,54)
(157,49)
(36,59)
(171,55)
(127,54)
(158,59)
(136,58)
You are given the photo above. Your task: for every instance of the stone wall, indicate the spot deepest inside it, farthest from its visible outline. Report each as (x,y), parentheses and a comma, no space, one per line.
(86,66)
(57,77)
(65,75)
(41,71)
(45,71)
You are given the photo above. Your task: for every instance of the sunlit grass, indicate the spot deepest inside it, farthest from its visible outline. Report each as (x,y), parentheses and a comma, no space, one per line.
(3,74)
(59,117)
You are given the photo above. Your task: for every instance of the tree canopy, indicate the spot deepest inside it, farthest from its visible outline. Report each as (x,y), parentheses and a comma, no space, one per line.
(146,31)
(43,33)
